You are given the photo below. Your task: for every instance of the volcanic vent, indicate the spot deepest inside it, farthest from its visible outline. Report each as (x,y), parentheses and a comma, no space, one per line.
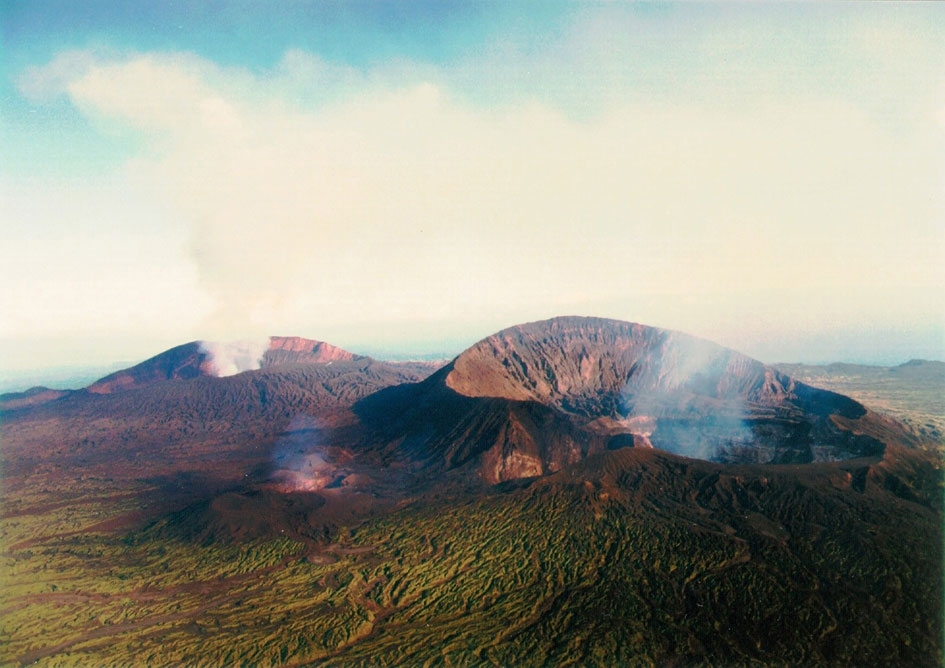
(533,398)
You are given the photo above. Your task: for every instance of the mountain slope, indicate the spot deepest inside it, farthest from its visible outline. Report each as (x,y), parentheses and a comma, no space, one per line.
(200,358)
(296,350)
(32,397)
(593,366)
(534,398)
(342,512)
(633,557)
(182,362)
(527,401)
(194,422)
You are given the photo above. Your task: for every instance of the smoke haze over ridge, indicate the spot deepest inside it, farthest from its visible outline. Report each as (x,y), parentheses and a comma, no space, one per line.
(233,357)
(791,212)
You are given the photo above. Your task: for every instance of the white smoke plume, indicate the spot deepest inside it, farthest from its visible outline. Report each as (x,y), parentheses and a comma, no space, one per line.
(681,402)
(308,473)
(303,462)
(367,198)
(233,357)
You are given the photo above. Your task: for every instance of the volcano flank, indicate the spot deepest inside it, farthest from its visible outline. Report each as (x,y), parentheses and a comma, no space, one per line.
(534,398)
(199,358)
(571,491)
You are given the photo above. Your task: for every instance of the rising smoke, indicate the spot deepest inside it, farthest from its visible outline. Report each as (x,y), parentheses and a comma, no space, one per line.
(231,358)
(685,398)
(300,460)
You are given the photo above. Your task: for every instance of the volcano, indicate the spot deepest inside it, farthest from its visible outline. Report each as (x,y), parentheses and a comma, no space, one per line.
(173,414)
(534,398)
(572,491)
(524,402)
(201,358)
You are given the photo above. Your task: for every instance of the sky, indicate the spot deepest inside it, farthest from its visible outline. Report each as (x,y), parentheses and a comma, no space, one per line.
(405,178)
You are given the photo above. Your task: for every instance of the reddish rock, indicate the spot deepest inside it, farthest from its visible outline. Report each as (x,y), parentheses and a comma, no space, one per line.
(296,350)
(534,398)
(192,360)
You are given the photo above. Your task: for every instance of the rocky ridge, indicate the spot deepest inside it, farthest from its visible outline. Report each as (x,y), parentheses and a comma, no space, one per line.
(534,398)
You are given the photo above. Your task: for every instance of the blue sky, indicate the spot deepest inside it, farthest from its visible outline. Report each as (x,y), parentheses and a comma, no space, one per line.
(413,176)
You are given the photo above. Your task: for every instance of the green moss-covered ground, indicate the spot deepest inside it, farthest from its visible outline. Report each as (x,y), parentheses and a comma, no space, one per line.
(634,558)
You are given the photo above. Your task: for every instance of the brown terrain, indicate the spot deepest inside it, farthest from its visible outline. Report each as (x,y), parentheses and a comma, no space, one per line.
(535,398)
(525,402)
(171,416)
(573,490)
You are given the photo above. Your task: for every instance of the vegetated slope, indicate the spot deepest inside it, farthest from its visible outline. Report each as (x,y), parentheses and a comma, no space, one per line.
(913,392)
(637,557)
(633,557)
(624,556)
(534,398)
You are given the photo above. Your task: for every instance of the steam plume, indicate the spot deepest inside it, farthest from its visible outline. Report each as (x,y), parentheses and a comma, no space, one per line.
(300,462)
(662,401)
(231,358)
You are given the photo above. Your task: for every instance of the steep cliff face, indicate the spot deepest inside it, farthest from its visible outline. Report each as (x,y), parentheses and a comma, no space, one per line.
(594,367)
(535,398)
(296,350)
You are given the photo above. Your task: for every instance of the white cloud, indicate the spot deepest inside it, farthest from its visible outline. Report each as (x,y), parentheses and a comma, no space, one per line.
(392,201)
(40,83)
(92,259)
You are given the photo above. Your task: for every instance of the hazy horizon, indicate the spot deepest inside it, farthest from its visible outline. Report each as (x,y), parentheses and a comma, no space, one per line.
(77,375)
(415,177)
